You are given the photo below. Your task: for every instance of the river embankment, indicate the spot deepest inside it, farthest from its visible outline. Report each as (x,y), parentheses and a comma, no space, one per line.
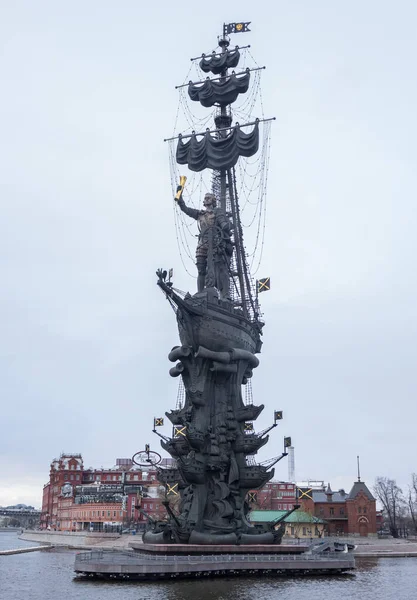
(79,540)
(24,550)
(380,548)
(365,547)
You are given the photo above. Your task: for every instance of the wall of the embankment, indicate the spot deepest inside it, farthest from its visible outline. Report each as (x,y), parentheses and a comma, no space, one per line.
(73,539)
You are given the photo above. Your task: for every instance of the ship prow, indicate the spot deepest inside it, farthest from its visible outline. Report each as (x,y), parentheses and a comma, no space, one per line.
(204,319)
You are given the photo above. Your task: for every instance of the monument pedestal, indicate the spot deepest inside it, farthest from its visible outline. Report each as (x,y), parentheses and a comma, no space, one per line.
(177,561)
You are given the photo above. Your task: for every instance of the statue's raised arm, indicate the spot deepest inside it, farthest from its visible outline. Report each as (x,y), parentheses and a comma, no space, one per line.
(191,212)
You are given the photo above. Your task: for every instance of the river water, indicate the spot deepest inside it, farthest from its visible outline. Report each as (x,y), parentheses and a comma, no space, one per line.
(49,576)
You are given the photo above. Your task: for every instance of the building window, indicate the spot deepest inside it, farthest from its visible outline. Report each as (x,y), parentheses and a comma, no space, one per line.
(108,513)
(102,513)
(121,513)
(284,506)
(292,530)
(342,511)
(359,509)
(114,513)
(331,511)
(108,477)
(304,530)
(77,477)
(151,506)
(136,477)
(364,509)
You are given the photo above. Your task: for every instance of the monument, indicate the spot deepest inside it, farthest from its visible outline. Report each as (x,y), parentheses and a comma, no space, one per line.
(220,329)
(213,443)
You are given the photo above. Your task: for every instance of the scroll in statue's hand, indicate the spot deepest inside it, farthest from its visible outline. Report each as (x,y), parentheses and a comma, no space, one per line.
(180,188)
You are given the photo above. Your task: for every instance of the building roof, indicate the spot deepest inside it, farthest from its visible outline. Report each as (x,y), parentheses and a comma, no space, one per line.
(321,496)
(298,516)
(359,486)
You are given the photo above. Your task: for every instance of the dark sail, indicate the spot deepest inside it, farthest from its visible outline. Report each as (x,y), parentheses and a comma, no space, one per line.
(217,64)
(220,92)
(217,153)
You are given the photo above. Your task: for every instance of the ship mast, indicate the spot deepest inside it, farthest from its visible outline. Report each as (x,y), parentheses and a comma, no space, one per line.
(220,152)
(227,195)
(229,204)
(222,121)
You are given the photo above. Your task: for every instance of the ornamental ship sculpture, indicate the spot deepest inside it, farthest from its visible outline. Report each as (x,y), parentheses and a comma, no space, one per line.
(220,326)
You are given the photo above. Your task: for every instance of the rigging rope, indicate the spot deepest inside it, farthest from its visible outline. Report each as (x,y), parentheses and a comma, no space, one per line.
(253,173)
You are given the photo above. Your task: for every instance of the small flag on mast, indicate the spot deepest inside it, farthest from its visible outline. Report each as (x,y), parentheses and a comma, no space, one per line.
(252,497)
(304,493)
(236,27)
(172,489)
(263,285)
(178,430)
(277,415)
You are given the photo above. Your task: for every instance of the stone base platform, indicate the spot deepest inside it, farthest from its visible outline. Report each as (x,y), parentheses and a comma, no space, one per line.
(150,566)
(199,549)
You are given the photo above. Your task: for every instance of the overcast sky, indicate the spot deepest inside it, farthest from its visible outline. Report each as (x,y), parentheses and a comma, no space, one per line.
(87,98)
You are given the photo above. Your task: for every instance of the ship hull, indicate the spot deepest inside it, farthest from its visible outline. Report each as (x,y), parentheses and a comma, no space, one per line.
(218,330)
(254,477)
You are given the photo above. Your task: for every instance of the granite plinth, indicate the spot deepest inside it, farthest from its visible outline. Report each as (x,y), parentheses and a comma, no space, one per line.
(200,549)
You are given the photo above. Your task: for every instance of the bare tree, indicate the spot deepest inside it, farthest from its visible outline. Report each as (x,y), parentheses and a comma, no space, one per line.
(412,500)
(392,500)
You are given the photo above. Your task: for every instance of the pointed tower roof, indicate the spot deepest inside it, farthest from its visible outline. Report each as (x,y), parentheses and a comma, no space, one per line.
(359,486)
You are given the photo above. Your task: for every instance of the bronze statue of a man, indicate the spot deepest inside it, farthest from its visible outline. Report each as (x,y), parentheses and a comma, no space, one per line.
(214,246)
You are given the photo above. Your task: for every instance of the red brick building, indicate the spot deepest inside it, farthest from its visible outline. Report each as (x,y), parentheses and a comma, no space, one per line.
(352,513)
(77,499)
(275,495)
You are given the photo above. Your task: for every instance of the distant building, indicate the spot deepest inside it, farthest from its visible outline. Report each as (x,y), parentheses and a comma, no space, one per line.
(352,513)
(274,495)
(298,524)
(79,499)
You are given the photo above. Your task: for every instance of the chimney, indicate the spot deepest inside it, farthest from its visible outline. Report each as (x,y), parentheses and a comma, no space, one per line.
(291,464)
